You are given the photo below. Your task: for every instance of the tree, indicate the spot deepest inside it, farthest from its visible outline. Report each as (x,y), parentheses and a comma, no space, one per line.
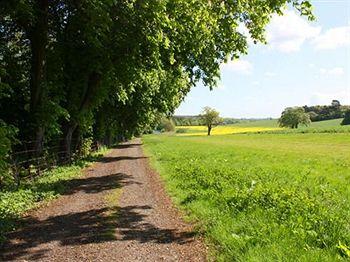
(210,117)
(292,117)
(326,112)
(346,120)
(105,68)
(335,103)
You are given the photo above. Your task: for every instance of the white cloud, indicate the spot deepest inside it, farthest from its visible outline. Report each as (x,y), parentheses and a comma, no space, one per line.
(336,71)
(270,74)
(287,33)
(238,66)
(256,83)
(319,98)
(333,38)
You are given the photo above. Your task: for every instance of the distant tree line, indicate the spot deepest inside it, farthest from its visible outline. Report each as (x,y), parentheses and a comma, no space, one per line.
(326,112)
(292,117)
(196,120)
(187,120)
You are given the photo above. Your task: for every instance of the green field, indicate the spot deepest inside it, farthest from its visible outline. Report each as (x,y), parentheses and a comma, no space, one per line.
(265,126)
(274,123)
(262,197)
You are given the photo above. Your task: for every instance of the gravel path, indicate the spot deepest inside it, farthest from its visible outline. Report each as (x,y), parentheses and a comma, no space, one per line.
(117,212)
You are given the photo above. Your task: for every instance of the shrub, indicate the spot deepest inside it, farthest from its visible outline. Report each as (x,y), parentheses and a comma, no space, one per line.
(7,134)
(181,131)
(85,148)
(166,125)
(346,120)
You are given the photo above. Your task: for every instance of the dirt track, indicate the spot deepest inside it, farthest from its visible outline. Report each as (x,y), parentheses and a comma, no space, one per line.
(117,212)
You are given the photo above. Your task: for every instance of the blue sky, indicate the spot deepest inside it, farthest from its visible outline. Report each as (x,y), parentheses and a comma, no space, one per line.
(303,63)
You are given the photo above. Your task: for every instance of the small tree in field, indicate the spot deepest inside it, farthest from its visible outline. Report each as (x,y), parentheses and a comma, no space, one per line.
(210,117)
(292,117)
(346,120)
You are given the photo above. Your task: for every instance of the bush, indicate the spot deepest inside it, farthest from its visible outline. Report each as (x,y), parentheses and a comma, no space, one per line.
(7,134)
(86,146)
(181,131)
(346,120)
(166,125)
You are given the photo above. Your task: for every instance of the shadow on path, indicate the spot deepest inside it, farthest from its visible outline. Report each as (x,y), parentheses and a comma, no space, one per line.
(93,226)
(129,145)
(119,158)
(96,225)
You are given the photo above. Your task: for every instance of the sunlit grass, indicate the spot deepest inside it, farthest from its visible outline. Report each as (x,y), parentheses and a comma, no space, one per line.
(262,197)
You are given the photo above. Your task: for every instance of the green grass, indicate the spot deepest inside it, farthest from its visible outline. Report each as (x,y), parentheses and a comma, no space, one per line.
(257,123)
(327,126)
(14,202)
(263,126)
(274,123)
(262,197)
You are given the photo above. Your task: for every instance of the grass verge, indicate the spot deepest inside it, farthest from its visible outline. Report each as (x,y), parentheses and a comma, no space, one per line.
(262,197)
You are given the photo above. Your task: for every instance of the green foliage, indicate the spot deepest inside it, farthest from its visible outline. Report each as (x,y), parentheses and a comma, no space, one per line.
(262,197)
(292,117)
(326,126)
(326,112)
(210,117)
(166,125)
(187,120)
(69,67)
(346,120)
(181,131)
(7,135)
(86,147)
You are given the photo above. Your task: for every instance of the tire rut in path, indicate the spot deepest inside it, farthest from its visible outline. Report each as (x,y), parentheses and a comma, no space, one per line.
(90,223)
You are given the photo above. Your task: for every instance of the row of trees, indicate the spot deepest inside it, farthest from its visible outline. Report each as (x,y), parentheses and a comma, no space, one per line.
(108,69)
(209,117)
(326,112)
(196,120)
(292,117)
(187,120)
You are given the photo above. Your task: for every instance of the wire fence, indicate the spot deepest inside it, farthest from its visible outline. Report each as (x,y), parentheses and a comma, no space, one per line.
(28,162)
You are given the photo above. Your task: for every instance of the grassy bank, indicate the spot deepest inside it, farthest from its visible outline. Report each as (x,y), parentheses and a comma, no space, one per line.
(262,197)
(14,202)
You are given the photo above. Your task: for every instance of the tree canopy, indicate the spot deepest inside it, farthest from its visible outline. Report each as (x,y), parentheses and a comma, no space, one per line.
(326,112)
(108,69)
(210,118)
(346,120)
(292,117)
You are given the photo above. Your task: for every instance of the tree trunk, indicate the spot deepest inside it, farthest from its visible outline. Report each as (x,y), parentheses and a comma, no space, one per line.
(66,147)
(39,141)
(209,130)
(38,35)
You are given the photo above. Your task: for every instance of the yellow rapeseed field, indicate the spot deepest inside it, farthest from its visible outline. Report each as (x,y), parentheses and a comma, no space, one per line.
(221,130)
